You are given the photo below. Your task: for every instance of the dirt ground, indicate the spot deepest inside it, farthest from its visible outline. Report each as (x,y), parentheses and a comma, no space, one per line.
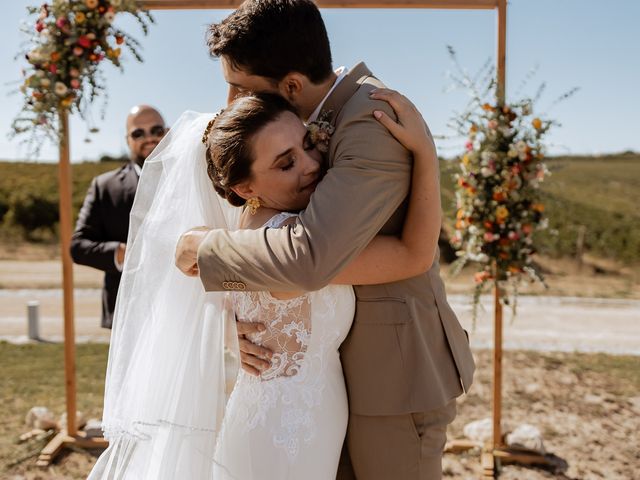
(587,407)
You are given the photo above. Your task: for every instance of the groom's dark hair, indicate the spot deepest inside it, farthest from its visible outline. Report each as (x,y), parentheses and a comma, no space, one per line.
(272,38)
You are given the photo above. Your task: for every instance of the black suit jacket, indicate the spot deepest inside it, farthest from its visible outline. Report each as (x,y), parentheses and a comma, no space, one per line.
(103,223)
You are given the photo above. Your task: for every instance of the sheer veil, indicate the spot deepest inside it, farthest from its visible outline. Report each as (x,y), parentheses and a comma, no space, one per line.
(164,393)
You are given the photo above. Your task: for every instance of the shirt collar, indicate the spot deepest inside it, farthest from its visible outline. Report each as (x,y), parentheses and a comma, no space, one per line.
(341,73)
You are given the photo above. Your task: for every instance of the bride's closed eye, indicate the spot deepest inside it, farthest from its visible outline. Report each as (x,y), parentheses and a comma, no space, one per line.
(291,160)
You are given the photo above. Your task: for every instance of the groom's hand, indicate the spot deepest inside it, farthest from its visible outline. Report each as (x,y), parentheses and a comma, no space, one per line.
(187,250)
(254,358)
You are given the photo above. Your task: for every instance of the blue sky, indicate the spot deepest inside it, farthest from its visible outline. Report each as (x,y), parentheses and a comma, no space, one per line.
(591,44)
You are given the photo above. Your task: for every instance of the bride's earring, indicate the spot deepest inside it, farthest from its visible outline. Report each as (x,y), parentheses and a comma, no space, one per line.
(253,204)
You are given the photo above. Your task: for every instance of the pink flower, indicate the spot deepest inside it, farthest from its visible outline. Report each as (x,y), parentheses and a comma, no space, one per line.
(469,145)
(61,22)
(74,72)
(84,41)
(53,68)
(513,236)
(493,124)
(77,51)
(39,26)
(488,237)
(75,83)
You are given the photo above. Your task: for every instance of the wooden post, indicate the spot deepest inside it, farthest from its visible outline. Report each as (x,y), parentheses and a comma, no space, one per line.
(497,366)
(64,182)
(502,51)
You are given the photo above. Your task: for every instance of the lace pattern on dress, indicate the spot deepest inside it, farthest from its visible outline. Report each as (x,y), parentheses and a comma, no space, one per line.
(293,385)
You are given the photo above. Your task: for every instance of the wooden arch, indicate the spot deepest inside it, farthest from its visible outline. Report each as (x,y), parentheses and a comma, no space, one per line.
(71,436)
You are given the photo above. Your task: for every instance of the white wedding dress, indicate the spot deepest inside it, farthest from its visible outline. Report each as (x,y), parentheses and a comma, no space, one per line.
(293,418)
(164,410)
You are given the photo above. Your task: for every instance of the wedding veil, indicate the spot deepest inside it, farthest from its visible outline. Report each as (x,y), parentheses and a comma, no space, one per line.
(165,386)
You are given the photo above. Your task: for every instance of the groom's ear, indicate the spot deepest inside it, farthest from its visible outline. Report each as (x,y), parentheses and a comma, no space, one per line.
(292,85)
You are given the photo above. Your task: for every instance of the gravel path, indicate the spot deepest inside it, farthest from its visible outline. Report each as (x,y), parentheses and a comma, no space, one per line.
(544,323)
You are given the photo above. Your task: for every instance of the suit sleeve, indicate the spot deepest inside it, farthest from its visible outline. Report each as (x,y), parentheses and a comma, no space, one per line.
(369,179)
(88,243)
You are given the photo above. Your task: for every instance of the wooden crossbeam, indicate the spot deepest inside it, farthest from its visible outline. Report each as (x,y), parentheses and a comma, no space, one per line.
(231,4)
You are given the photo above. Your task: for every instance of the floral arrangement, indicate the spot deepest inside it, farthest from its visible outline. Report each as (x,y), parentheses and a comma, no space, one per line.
(70,39)
(320,131)
(498,201)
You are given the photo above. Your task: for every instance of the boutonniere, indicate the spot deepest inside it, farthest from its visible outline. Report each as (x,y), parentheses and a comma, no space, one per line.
(320,131)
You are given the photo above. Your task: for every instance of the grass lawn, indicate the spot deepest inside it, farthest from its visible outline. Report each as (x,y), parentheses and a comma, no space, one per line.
(587,406)
(33,375)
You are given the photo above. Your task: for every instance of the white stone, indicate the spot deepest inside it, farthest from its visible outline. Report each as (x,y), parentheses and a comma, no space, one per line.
(479,431)
(41,418)
(93,428)
(526,436)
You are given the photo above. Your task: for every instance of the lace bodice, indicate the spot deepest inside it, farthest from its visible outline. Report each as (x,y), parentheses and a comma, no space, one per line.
(288,400)
(288,324)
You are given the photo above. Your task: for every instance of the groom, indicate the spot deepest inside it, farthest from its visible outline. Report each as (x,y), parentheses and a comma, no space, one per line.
(406,358)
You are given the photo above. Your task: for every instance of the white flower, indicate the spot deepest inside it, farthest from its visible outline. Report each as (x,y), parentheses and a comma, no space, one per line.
(109,17)
(486,172)
(60,89)
(512,153)
(473,229)
(521,146)
(45,82)
(40,73)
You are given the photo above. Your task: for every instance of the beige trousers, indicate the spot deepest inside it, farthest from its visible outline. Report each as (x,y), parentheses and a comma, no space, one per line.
(399,447)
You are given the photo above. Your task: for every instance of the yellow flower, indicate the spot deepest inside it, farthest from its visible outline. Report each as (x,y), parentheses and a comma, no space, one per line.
(66,102)
(80,17)
(537,123)
(465,159)
(501,214)
(91,3)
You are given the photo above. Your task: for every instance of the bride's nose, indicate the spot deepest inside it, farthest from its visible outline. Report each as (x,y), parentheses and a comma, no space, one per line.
(311,165)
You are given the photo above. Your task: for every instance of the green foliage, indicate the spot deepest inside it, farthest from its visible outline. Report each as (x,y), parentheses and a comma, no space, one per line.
(29,196)
(599,193)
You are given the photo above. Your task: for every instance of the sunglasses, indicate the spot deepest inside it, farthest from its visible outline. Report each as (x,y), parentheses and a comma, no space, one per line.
(155,131)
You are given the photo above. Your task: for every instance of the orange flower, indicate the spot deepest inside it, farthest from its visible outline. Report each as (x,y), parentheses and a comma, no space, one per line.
(487,107)
(119,40)
(55,56)
(499,196)
(503,255)
(460,214)
(514,269)
(481,276)
(538,207)
(537,123)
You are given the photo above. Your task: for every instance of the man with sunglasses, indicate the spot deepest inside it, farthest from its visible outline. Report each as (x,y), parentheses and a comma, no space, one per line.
(100,237)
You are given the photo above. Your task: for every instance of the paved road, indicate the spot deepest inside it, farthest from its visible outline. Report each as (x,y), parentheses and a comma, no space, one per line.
(543,323)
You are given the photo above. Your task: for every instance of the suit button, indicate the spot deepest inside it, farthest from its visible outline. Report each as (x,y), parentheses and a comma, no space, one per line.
(226,286)
(241,286)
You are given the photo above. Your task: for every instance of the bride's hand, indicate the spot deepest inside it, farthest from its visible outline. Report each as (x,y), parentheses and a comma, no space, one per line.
(410,129)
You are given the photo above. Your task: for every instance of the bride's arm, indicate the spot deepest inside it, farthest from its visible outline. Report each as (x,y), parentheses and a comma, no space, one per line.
(389,258)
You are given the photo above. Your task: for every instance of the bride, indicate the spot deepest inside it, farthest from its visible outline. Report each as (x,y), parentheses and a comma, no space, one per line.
(164,398)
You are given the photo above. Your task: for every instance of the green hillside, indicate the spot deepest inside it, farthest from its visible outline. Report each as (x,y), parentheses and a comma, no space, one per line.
(599,193)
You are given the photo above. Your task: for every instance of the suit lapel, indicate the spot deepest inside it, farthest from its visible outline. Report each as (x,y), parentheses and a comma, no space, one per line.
(128,182)
(343,92)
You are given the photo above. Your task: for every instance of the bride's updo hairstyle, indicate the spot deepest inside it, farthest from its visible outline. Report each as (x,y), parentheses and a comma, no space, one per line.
(228,140)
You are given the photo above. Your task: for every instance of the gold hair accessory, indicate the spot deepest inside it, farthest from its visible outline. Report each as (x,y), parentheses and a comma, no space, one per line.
(207,131)
(253,204)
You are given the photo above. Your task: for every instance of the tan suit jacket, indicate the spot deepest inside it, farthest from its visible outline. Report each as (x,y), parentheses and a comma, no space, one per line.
(406,351)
